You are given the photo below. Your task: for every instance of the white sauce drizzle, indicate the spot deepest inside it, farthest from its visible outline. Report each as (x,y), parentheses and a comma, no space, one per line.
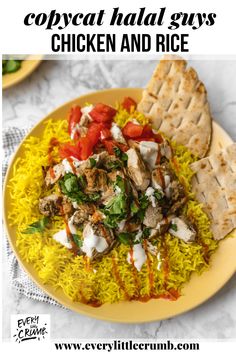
(92,242)
(117,133)
(150,194)
(62,238)
(139,256)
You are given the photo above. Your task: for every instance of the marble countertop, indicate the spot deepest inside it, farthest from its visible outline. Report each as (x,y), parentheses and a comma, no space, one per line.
(52,84)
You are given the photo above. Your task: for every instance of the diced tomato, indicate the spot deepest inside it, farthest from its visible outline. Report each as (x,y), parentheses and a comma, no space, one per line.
(128,103)
(74,118)
(158,138)
(147,131)
(102,113)
(94,132)
(110,144)
(105,134)
(85,147)
(132,130)
(68,150)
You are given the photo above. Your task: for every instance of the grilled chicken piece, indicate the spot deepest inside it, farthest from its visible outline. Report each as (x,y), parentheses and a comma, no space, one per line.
(107,195)
(161,177)
(137,170)
(165,180)
(96,180)
(51,205)
(83,213)
(67,206)
(166,150)
(113,174)
(177,196)
(153,216)
(99,158)
(54,173)
(182,229)
(131,226)
(97,240)
(161,227)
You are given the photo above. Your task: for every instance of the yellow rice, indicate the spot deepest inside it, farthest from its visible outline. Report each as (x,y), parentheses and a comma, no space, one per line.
(57,266)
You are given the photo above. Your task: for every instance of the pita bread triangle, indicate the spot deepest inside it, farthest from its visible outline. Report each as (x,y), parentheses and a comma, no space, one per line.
(176,103)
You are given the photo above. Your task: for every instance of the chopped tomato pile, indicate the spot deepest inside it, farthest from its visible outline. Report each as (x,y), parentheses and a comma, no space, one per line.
(99,131)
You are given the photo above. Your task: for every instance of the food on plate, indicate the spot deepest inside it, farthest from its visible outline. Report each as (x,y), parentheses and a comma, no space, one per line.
(104,207)
(114,203)
(176,103)
(214,184)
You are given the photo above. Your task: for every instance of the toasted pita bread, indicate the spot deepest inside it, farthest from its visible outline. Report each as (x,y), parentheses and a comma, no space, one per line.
(215,187)
(176,103)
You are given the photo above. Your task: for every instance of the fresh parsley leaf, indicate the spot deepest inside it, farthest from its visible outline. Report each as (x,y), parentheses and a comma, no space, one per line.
(120,182)
(146,232)
(143,204)
(114,165)
(94,197)
(82,181)
(117,205)
(117,208)
(121,155)
(127,238)
(71,186)
(158,194)
(38,226)
(92,162)
(134,208)
(143,201)
(77,240)
(173,227)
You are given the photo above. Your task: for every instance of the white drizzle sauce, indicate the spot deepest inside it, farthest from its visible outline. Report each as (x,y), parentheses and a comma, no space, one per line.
(62,238)
(92,242)
(139,256)
(117,133)
(150,194)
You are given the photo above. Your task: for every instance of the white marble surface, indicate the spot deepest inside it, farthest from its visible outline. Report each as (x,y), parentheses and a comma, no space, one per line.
(52,84)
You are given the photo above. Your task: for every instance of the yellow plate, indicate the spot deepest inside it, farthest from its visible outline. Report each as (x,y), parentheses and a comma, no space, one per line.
(27,67)
(198,290)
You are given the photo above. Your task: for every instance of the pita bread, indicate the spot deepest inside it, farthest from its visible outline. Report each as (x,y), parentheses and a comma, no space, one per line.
(176,102)
(215,187)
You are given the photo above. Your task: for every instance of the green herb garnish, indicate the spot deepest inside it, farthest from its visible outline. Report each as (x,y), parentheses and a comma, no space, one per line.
(37,227)
(128,238)
(158,194)
(121,155)
(115,165)
(173,227)
(73,187)
(93,162)
(77,240)
(134,208)
(146,232)
(117,208)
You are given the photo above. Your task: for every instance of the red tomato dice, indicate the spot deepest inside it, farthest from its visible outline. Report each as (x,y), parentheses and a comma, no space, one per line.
(132,130)
(85,148)
(128,103)
(102,113)
(74,117)
(68,150)
(110,144)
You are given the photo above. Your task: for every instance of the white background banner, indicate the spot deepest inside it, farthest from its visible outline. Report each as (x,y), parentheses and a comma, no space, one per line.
(207,27)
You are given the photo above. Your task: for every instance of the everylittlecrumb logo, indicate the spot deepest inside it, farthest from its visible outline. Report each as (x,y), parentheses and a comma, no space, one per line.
(30,327)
